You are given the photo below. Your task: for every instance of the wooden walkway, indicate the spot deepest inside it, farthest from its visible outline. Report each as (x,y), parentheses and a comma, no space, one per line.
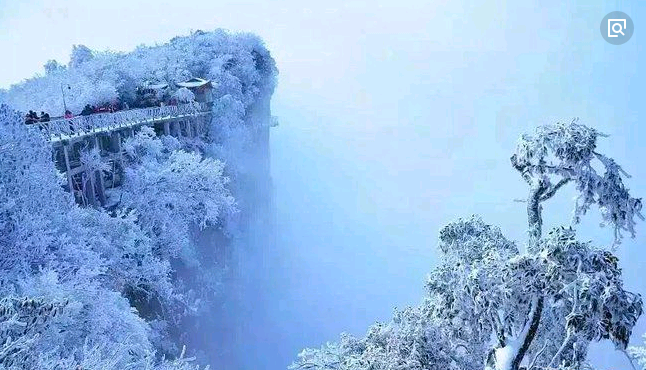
(106,132)
(71,128)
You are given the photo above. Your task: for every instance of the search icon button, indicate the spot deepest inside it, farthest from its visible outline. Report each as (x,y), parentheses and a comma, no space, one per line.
(617,28)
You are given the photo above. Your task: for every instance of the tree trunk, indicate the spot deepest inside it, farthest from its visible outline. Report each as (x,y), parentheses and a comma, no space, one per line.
(531,333)
(534,216)
(511,356)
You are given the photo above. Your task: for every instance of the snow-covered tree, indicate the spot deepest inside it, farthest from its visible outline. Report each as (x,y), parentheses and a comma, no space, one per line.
(184,95)
(53,67)
(173,193)
(543,308)
(493,305)
(22,320)
(124,274)
(556,155)
(53,251)
(638,353)
(171,190)
(81,54)
(238,64)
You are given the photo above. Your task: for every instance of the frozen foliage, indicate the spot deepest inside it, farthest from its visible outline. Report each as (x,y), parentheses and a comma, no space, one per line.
(171,189)
(127,277)
(238,64)
(411,340)
(171,193)
(81,54)
(184,95)
(21,323)
(52,67)
(93,161)
(639,354)
(566,152)
(61,253)
(491,305)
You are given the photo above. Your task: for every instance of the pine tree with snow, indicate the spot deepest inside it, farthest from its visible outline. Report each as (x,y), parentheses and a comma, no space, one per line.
(492,305)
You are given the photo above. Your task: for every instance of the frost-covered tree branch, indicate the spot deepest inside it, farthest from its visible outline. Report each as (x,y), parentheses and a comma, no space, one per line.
(555,155)
(495,307)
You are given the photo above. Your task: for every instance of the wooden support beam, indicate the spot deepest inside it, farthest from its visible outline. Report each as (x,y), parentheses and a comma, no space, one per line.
(99,176)
(196,127)
(88,188)
(93,183)
(100,187)
(116,146)
(92,178)
(68,169)
(115,142)
(178,129)
(76,170)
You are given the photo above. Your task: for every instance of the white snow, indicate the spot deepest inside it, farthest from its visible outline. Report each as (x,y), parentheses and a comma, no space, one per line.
(505,357)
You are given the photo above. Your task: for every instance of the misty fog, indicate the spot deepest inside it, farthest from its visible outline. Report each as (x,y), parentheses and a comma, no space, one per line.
(383,139)
(396,118)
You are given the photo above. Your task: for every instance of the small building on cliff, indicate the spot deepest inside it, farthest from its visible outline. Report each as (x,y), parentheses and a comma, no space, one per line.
(203,89)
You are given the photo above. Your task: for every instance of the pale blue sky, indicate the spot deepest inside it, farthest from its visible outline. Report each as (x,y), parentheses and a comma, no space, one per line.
(396,117)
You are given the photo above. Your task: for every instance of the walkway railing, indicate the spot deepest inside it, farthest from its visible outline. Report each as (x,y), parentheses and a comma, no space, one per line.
(63,128)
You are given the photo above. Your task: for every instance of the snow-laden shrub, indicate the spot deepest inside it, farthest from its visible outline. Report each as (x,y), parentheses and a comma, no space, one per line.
(184,95)
(92,160)
(101,93)
(81,54)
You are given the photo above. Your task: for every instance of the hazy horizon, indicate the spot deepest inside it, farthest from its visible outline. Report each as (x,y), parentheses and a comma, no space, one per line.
(395,118)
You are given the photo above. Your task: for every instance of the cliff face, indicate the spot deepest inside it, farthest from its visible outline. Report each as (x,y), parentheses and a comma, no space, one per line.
(181,303)
(251,251)
(221,331)
(241,69)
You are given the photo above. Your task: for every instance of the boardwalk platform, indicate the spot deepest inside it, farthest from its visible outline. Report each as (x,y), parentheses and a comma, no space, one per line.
(105,132)
(79,127)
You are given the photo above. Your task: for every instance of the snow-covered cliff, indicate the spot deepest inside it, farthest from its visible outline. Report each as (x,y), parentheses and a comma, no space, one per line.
(115,290)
